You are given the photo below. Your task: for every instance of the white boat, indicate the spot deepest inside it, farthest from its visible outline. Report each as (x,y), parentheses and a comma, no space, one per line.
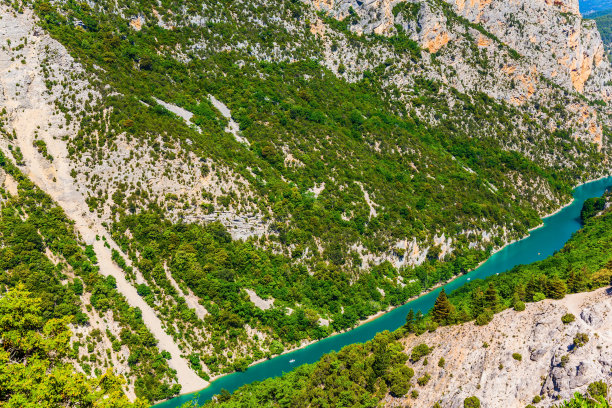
(292,361)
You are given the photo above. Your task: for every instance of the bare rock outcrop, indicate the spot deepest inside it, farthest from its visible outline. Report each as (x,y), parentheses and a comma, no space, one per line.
(479,360)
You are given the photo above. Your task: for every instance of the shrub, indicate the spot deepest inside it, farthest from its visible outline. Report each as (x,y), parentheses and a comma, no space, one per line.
(564,360)
(422,381)
(580,339)
(400,380)
(536,399)
(441,362)
(276,347)
(519,306)
(598,389)
(420,351)
(471,402)
(517,356)
(568,318)
(484,318)
(143,290)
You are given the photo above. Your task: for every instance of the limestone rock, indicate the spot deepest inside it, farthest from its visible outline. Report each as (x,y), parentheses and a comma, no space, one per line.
(550,364)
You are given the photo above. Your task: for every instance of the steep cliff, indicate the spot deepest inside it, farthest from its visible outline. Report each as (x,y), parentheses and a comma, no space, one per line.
(525,44)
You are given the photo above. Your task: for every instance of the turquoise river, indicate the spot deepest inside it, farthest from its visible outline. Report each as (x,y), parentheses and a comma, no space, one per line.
(542,242)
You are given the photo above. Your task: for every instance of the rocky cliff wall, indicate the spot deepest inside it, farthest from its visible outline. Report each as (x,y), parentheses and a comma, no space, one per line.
(528,46)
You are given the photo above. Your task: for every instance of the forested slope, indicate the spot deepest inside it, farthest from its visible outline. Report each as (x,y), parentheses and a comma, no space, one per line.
(563,342)
(74,315)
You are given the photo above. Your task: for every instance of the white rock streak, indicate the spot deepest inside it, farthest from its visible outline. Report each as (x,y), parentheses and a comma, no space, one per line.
(232,126)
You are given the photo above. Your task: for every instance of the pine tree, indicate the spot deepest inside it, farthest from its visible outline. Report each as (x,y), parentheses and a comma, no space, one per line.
(410,321)
(477,301)
(442,308)
(519,291)
(419,326)
(576,282)
(556,288)
(490,297)
(419,317)
(382,359)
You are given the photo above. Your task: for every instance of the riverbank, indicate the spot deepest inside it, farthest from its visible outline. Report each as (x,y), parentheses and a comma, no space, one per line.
(542,241)
(572,200)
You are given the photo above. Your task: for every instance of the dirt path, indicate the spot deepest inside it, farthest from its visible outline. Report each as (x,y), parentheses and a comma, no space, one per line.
(189,380)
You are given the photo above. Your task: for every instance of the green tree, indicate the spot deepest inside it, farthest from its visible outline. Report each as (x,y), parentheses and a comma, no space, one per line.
(491,298)
(598,389)
(519,306)
(591,207)
(579,401)
(484,318)
(442,308)
(580,339)
(382,359)
(556,288)
(399,380)
(410,321)
(420,351)
(577,281)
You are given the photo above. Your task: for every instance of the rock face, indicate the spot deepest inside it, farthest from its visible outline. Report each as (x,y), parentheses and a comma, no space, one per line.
(547,40)
(480,362)
(550,34)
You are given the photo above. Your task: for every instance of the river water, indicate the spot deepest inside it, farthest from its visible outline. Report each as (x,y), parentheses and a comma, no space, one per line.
(541,243)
